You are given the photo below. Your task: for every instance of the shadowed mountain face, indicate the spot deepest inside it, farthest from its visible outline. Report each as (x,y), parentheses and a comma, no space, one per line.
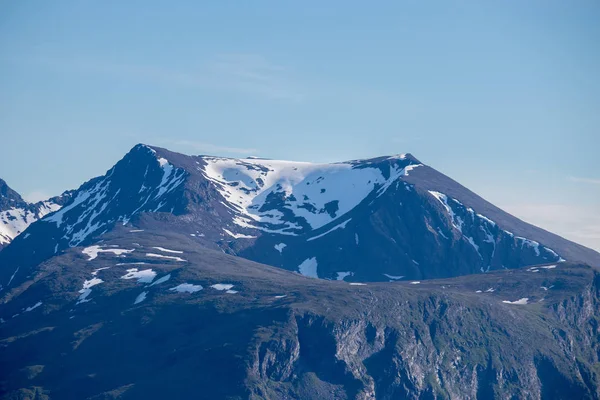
(151,314)
(16,214)
(382,219)
(158,279)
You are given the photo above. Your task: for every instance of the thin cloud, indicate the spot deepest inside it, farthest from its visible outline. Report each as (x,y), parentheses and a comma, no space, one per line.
(210,148)
(580,224)
(254,73)
(585,180)
(251,74)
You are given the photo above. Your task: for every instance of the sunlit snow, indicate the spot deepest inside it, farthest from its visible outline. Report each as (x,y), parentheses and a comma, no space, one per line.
(339,226)
(309,267)
(167,250)
(222,286)
(522,301)
(93,251)
(341,275)
(248,185)
(161,280)
(187,288)
(33,307)
(86,290)
(238,235)
(164,257)
(394,277)
(141,297)
(145,276)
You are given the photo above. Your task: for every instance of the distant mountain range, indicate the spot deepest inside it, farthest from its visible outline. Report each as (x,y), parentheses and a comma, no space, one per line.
(393,281)
(16,214)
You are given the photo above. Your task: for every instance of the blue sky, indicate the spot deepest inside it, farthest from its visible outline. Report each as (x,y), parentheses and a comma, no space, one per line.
(502,96)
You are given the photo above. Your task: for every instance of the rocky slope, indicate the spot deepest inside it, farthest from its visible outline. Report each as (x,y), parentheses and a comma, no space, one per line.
(145,314)
(365,220)
(143,286)
(16,214)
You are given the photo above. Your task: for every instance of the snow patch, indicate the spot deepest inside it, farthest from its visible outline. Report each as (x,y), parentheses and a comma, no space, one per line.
(12,276)
(167,250)
(222,286)
(133,263)
(164,257)
(95,272)
(145,276)
(409,168)
(86,290)
(339,226)
(161,280)
(256,189)
(33,307)
(309,267)
(93,251)
(141,297)
(238,235)
(279,247)
(456,221)
(522,301)
(394,277)
(187,288)
(341,275)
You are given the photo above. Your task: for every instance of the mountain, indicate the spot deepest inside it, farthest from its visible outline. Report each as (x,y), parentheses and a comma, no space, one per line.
(194,276)
(381,219)
(16,214)
(154,315)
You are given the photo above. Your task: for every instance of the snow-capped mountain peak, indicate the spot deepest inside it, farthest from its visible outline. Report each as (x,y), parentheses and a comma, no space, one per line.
(295,197)
(141,182)
(364,219)
(16,214)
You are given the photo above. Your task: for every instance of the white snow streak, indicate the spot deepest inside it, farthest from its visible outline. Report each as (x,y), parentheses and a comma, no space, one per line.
(339,226)
(164,257)
(522,301)
(167,250)
(141,297)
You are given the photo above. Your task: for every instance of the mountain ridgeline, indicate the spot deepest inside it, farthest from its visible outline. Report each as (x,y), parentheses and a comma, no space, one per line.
(380,219)
(219,278)
(17,214)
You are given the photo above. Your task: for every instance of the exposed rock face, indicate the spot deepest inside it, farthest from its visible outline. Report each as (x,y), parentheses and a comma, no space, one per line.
(281,335)
(367,220)
(455,352)
(144,285)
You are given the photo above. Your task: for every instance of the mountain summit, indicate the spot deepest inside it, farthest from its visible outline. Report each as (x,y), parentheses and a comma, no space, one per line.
(380,219)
